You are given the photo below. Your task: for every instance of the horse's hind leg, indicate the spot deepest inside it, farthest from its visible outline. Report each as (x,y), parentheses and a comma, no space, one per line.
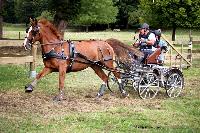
(104,77)
(121,87)
(45,71)
(109,65)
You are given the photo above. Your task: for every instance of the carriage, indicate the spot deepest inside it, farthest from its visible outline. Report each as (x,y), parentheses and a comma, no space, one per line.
(148,78)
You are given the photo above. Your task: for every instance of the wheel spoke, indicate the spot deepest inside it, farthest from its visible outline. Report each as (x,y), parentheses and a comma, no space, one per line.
(148,86)
(143,90)
(174,84)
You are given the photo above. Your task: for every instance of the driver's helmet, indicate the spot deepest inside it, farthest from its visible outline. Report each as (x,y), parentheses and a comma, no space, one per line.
(144,26)
(158,32)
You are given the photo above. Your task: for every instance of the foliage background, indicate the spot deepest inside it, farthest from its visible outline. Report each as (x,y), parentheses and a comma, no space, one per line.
(117,13)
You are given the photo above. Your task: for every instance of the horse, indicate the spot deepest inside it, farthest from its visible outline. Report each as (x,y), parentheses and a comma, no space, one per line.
(66,56)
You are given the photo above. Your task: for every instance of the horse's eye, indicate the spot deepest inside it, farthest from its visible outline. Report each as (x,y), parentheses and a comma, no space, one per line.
(35,31)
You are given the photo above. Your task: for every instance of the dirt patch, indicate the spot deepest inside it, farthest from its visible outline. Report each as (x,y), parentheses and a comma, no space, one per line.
(9,51)
(17,51)
(42,104)
(196,51)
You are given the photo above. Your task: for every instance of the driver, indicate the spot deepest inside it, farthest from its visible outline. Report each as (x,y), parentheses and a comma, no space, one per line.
(146,40)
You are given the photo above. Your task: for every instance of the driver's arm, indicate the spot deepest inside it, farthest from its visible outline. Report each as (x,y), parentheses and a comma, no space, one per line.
(150,41)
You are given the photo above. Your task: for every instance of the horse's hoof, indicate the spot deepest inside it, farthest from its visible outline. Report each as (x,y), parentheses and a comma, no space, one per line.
(125,94)
(28,88)
(99,96)
(112,94)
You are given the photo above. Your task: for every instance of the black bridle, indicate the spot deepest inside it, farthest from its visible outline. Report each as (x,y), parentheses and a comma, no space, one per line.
(34,32)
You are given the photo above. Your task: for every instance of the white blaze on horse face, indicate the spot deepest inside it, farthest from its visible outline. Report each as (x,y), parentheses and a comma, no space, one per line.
(27,35)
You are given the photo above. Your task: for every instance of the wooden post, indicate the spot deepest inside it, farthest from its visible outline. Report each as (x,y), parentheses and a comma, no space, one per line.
(181,60)
(190,48)
(32,64)
(19,35)
(170,57)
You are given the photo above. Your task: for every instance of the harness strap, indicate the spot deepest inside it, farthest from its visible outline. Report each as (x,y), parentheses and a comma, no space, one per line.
(53,54)
(72,53)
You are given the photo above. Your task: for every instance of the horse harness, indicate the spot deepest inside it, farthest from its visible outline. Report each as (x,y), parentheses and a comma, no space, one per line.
(72,54)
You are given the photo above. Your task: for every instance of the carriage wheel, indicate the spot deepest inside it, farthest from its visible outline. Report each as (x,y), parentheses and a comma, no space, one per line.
(174,83)
(112,81)
(148,86)
(135,85)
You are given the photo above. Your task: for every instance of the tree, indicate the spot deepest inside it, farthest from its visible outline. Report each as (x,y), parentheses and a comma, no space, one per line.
(47,15)
(8,12)
(127,10)
(65,10)
(96,12)
(1,19)
(24,9)
(172,13)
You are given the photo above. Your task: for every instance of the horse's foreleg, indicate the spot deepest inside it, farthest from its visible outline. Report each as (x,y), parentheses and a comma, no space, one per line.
(104,77)
(121,87)
(62,72)
(45,71)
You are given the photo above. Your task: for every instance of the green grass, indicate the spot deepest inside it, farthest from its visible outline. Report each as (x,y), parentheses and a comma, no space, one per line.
(13,27)
(36,112)
(182,35)
(173,115)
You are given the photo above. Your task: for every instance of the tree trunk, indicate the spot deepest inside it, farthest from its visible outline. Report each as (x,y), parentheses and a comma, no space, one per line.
(1,27)
(174,33)
(87,28)
(61,28)
(60,24)
(1,19)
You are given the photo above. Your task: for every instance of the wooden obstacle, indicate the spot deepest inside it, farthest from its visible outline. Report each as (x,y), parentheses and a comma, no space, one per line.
(22,60)
(176,56)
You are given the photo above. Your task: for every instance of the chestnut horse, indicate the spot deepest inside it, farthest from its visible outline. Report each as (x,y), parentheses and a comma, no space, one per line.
(63,57)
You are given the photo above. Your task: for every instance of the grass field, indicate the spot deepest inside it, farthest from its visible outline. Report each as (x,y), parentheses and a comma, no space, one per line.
(80,112)
(182,35)
(36,112)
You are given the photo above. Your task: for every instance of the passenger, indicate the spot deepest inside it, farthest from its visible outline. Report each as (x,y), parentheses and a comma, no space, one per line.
(162,45)
(146,41)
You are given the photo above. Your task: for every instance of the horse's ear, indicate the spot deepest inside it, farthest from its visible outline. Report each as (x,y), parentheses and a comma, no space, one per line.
(33,21)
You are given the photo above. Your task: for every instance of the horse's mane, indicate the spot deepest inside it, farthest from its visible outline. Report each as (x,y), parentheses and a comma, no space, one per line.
(123,51)
(46,23)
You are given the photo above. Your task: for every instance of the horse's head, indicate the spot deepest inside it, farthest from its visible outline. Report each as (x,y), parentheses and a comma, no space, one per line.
(32,34)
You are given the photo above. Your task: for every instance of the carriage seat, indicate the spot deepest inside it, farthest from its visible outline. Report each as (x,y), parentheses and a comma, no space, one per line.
(153,58)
